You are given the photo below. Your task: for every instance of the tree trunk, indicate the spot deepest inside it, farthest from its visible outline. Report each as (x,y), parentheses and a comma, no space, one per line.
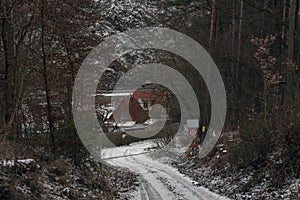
(233,24)
(297,56)
(239,66)
(288,93)
(45,74)
(213,26)
(291,31)
(212,46)
(233,55)
(283,31)
(8,51)
(70,81)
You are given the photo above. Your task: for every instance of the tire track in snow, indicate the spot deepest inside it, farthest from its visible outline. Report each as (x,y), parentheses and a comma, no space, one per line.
(165,178)
(147,191)
(151,192)
(154,174)
(158,181)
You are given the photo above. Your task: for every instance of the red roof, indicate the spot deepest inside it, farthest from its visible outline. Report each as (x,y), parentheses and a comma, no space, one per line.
(157,97)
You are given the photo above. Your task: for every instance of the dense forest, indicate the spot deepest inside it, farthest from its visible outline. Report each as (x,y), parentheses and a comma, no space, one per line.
(255,44)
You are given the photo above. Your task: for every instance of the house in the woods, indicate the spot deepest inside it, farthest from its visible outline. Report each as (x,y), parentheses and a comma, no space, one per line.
(149,98)
(139,105)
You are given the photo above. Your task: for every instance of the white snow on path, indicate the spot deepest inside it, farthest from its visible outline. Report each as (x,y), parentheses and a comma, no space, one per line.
(158,181)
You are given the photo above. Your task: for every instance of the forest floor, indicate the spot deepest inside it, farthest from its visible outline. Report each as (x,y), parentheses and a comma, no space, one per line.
(245,184)
(62,180)
(40,174)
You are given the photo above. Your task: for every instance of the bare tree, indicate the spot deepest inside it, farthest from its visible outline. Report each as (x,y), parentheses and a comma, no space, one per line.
(13,34)
(239,66)
(289,72)
(213,25)
(45,73)
(291,30)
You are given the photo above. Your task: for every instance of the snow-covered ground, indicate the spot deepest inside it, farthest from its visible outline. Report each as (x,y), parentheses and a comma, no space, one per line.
(11,163)
(157,180)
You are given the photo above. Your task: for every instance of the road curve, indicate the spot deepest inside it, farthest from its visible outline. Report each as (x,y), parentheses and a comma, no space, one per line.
(158,181)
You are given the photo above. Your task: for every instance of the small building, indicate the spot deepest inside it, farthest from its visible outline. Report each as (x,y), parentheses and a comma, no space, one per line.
(139,105)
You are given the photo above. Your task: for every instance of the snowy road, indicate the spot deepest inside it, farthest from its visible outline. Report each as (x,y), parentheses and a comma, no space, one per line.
(158,180)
